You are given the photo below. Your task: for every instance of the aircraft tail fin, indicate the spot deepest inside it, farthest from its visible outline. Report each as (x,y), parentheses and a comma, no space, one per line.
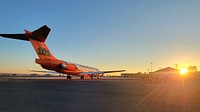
(37,39)
(41,49)
(40,34)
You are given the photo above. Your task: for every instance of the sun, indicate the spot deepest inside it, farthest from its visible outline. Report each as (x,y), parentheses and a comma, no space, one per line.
(183,71)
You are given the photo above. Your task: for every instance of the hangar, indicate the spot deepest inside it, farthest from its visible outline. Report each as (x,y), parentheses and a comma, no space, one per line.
(166,73)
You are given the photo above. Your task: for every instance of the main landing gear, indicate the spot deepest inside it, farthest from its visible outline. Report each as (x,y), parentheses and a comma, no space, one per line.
(69,77)
(82,77)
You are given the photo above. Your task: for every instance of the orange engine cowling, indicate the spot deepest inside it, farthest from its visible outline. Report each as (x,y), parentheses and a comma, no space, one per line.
(63,66)
(67,66)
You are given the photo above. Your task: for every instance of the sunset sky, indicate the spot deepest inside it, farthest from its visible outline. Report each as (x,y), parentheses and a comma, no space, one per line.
(106,34)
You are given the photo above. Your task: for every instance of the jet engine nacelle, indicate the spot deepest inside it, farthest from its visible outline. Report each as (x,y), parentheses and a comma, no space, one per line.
(62,66)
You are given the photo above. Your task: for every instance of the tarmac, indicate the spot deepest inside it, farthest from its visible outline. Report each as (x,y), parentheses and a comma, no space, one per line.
(104,95)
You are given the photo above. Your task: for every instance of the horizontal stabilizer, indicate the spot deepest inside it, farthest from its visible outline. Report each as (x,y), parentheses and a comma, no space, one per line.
(15,36)
(38,35)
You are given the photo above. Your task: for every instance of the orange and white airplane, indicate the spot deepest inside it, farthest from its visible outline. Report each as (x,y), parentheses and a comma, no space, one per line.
(48,61)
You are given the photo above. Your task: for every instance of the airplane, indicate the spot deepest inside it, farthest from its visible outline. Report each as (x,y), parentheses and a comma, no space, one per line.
(48,61)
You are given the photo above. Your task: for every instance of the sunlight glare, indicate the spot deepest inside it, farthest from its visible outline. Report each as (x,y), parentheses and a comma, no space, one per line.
(183,71)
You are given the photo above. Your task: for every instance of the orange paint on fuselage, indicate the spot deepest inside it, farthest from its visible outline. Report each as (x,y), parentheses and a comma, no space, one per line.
(54,64)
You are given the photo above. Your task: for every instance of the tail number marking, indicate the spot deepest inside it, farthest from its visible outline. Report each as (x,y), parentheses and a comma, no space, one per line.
(43,51)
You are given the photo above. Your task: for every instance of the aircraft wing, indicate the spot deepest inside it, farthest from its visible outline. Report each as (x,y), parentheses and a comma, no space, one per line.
(101,72)
(48,72)
(52,72)
(113,71)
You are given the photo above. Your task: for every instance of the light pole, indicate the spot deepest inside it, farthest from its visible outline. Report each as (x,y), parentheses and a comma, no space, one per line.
(176,65)
(151,66)
(147,70)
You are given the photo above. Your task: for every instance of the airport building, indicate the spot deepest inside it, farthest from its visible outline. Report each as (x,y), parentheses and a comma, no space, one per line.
(133,75)
(130,74)
(167,72)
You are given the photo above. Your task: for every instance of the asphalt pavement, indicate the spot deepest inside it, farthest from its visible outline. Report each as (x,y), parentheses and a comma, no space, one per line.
(119,95)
